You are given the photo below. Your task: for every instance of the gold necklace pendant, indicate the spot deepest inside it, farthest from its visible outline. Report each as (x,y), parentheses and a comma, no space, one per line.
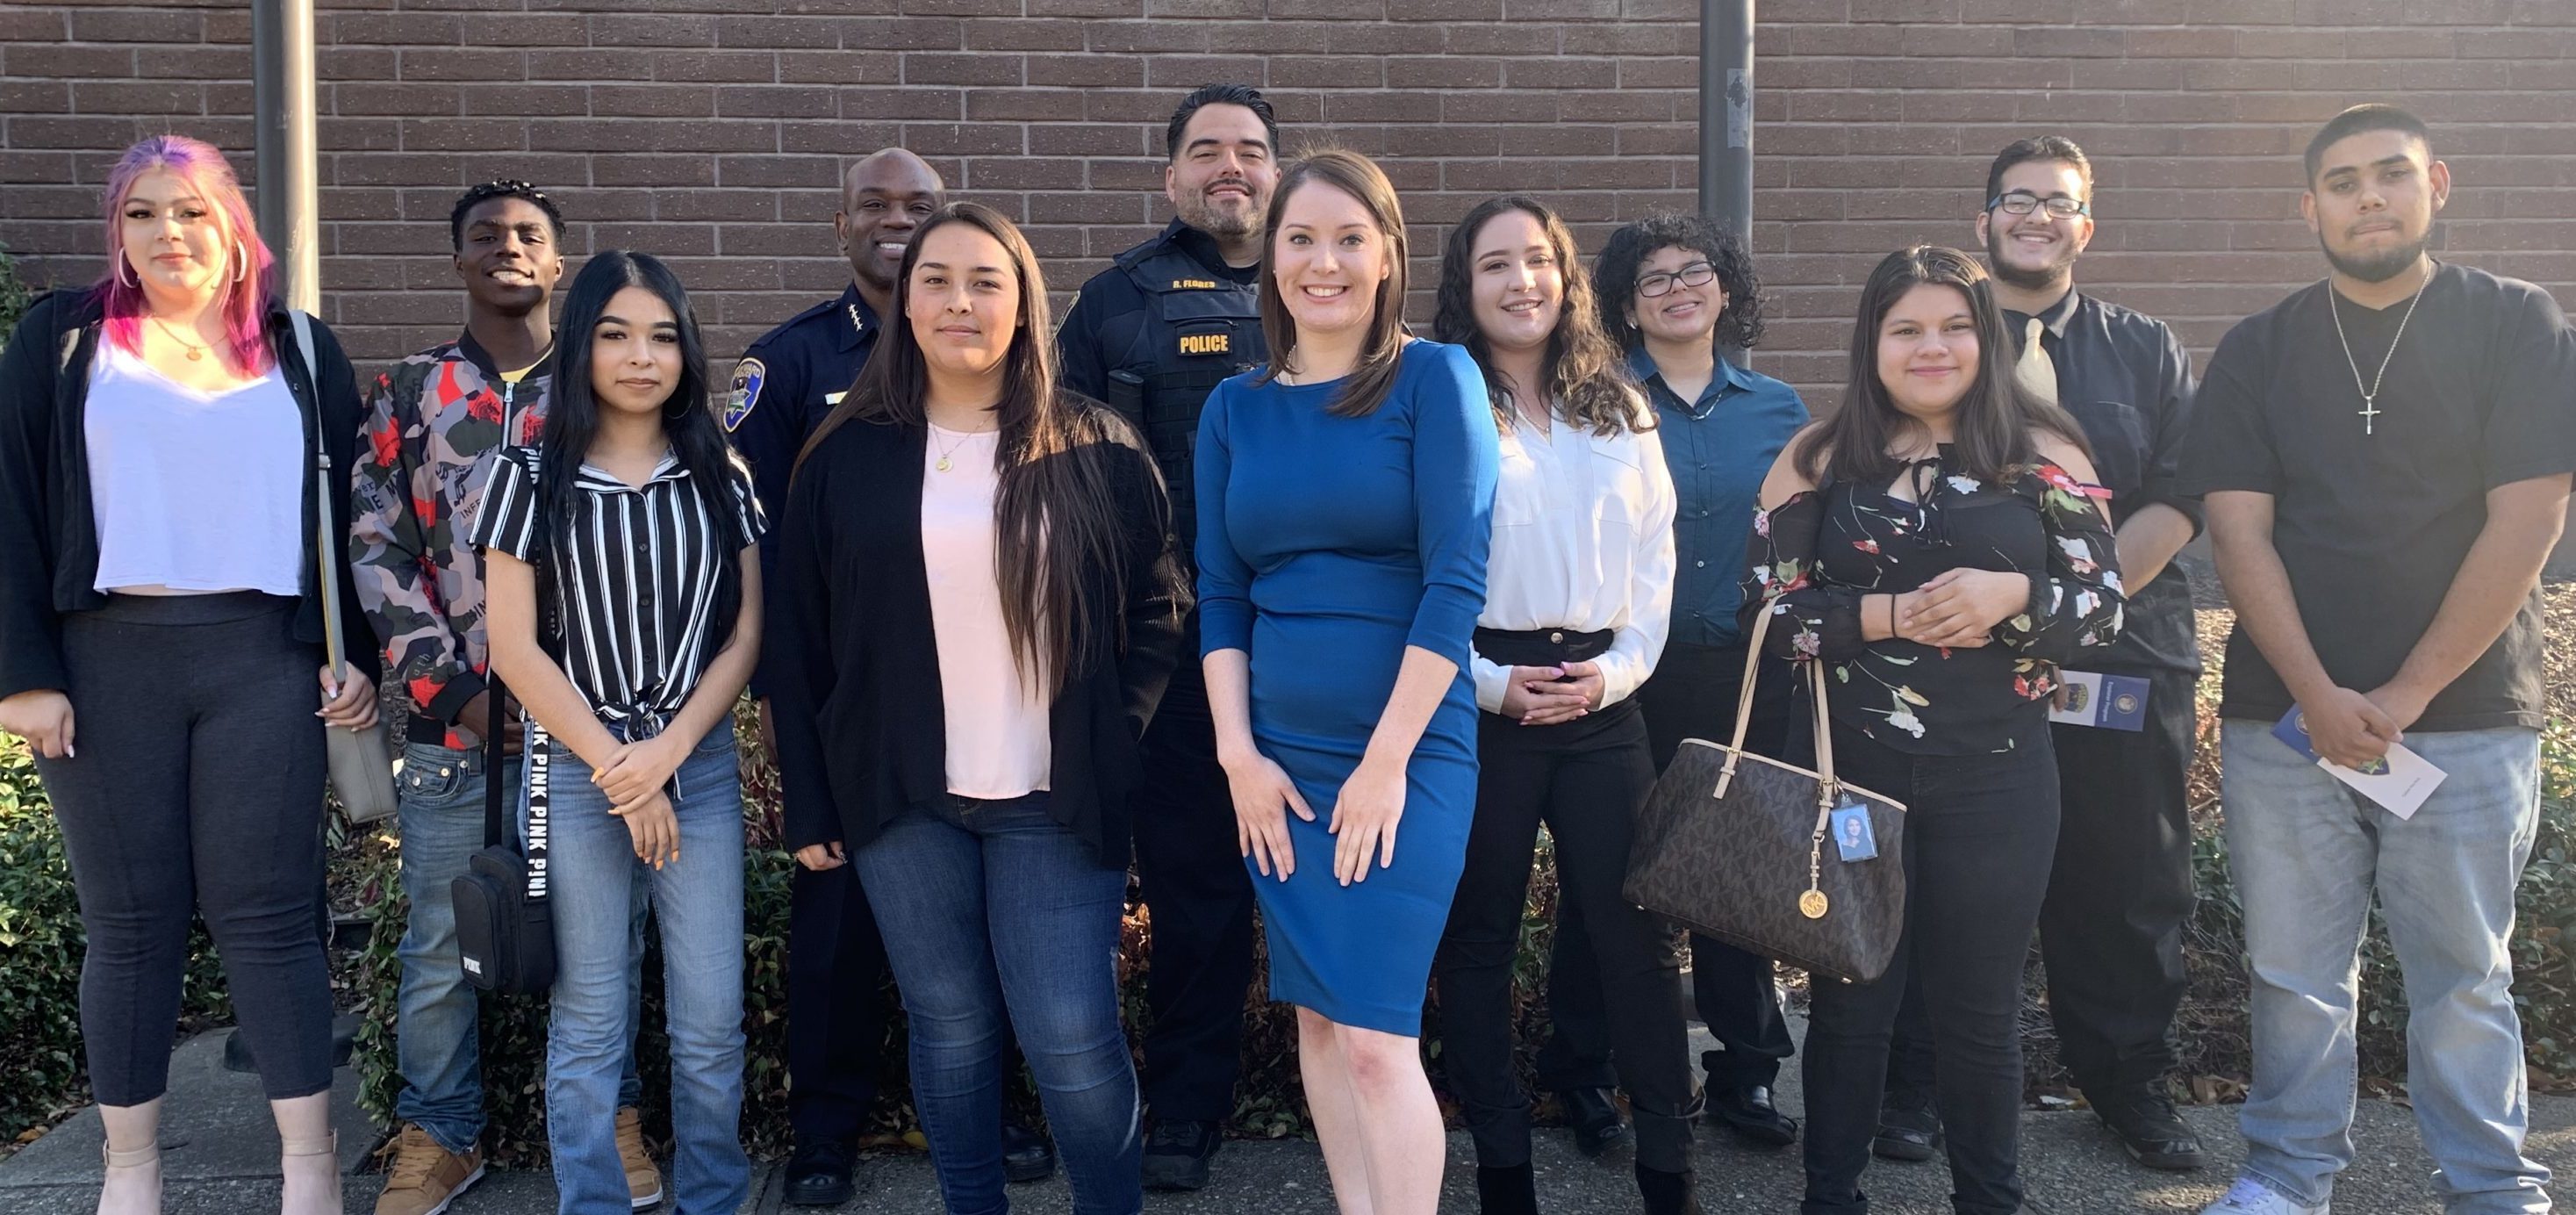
(943,464)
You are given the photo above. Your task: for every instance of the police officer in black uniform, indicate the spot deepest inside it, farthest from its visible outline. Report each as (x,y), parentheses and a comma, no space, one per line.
(782,389)
(2111,929)
(1150,336)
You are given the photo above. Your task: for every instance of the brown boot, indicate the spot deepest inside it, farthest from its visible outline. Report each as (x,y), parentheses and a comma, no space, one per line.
(422,1178)
(643,1178)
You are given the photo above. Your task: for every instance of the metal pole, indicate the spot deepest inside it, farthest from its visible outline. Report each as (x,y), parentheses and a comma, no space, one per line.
(1726,120)
(281,34)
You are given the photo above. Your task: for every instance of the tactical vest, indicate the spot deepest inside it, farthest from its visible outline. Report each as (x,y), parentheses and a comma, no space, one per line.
(1198,329)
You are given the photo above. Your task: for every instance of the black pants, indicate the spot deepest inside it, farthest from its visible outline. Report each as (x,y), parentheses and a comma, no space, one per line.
(1980,831)
(2111,928)
(1586,779)
(836,1028)
(1201,903)
(1692,695)
(198,788)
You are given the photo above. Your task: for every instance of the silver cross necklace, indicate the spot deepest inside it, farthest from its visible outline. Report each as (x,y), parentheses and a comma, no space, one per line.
(2370,395)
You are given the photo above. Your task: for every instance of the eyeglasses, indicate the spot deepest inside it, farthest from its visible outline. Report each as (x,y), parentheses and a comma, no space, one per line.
(2023,202)
(1696,274)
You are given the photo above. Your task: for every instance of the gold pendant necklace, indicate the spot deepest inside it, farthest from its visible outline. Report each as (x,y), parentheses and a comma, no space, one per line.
(196,352)
(944,464)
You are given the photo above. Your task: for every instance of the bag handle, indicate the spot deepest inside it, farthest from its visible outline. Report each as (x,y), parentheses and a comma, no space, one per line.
(325,521)
(1827,786)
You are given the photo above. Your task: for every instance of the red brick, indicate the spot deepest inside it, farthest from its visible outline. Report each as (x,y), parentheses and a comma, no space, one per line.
(523,100)
(636,29)
(981,70)
(132,25)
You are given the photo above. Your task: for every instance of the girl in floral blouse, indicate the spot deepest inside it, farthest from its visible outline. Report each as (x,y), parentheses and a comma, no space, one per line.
(1939,545)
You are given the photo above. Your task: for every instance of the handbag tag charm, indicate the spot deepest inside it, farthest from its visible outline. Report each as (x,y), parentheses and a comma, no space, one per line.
(1812,904)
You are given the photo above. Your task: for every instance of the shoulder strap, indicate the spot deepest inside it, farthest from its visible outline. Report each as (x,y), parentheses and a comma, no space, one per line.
(326,539)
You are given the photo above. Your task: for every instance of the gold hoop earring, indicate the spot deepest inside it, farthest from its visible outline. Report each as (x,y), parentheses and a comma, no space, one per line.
(241,262)
(124,266)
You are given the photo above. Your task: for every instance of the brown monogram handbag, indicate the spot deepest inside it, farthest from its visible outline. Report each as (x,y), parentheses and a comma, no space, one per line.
(1732,845)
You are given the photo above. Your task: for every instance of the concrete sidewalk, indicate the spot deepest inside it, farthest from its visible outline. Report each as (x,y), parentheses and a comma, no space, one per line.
(220,1159)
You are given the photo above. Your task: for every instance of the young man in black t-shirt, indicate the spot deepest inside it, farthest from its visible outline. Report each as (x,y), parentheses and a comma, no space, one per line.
(2385,458)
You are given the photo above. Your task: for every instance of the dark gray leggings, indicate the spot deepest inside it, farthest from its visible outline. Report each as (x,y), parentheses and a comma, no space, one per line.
(198,786)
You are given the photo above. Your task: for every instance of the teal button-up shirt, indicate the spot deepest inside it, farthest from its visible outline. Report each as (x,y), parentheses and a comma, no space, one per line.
(1719,447)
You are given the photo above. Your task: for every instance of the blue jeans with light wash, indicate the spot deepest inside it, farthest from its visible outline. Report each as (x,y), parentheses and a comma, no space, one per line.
(437,1046)
(2307,854)
(992,909)
(697,902)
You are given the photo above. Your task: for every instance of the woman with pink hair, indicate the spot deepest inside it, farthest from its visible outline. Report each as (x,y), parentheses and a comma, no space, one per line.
(161,601)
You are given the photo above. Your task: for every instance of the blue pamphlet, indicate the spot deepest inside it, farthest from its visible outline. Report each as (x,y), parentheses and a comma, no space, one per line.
(2112,702)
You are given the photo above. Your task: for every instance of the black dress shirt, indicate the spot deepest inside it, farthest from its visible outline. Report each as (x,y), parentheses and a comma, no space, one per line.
(2126,379)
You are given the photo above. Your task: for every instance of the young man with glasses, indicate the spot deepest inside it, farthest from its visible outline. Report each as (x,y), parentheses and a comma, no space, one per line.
(2111,928)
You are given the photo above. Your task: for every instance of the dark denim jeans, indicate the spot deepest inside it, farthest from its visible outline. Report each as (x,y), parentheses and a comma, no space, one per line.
(991,909)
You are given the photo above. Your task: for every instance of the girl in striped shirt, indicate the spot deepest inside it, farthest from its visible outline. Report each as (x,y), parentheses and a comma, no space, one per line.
(624,592)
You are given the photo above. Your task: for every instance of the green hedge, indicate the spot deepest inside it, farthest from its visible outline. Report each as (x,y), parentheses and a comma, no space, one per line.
(40,949)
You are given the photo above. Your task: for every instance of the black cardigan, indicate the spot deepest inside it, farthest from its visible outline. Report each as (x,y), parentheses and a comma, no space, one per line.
(48,536)
(862,734)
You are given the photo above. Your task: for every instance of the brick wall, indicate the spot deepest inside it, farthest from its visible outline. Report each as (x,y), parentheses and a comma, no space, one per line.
(713,131)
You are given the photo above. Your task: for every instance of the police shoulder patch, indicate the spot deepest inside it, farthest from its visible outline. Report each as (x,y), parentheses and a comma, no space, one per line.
(747,376)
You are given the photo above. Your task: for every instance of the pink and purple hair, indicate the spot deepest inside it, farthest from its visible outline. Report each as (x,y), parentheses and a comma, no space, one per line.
(243,303)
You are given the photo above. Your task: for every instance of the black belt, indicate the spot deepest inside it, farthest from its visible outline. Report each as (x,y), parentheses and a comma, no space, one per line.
(1541,647)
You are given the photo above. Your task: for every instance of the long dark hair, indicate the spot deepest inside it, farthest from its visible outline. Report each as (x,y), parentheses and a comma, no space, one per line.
(688,416)
(1580,372)
(1615,274)
(1992,434)
(1382,354)
(1056,515)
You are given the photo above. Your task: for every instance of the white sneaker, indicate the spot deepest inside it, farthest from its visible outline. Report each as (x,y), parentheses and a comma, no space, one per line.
(2251,1197)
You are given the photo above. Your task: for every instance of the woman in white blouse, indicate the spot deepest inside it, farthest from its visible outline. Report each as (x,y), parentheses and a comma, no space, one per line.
(1578,591)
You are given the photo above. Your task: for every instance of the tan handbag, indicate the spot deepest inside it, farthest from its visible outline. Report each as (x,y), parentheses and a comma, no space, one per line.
(362,766)
(1732,845)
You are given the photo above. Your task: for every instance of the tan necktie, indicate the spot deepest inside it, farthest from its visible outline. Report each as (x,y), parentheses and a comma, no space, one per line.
(2036,371)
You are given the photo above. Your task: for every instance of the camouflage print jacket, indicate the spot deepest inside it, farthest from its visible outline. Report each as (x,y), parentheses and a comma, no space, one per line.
(433,422)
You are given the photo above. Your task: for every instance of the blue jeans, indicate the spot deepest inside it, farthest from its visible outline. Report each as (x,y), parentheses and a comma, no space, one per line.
(991,909)
(697,900)
(436,1045)
(2307,853)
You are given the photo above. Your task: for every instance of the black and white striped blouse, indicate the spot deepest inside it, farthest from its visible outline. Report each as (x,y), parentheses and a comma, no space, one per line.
(633,592)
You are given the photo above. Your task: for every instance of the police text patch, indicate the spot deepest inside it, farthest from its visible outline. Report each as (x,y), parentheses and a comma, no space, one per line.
(1207,343)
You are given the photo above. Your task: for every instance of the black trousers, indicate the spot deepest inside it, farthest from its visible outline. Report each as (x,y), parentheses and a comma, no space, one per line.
(198,788)
(836,1023)
(2121,890)
(1201,903)
(1980,831)
(1692,695)
(1585,779)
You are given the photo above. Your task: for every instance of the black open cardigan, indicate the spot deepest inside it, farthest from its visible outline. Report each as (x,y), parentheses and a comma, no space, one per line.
(48,535)
(862,732)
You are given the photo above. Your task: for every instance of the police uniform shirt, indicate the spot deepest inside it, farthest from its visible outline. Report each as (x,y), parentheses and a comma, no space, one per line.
(2128,381)
(782,389)
(784,386)
(1155,332)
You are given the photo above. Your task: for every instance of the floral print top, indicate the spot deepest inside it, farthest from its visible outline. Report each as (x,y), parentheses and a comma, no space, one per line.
(1813,558)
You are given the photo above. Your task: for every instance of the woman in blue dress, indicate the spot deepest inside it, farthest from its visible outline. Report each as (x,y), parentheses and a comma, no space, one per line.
(1345,502)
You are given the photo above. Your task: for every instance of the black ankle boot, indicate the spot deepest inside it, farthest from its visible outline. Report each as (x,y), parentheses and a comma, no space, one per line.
(1510,1191)
(1668,1193)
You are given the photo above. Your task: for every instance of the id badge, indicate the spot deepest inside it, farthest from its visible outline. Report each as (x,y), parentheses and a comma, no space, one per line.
(1854,839)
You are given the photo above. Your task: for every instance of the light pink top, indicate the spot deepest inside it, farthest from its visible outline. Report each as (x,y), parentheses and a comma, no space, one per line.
(997,724)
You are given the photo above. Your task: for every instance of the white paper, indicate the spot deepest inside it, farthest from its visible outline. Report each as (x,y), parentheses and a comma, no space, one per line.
(2402,789)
